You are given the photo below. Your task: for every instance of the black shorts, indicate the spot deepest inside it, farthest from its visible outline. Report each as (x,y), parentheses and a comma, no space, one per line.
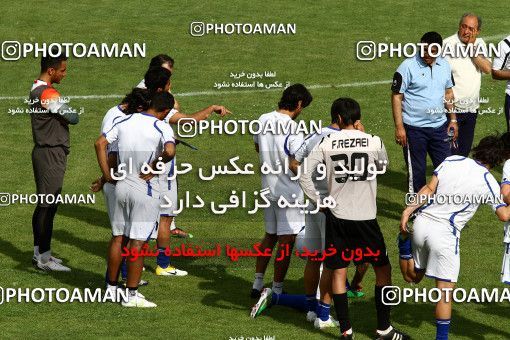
(356,241)
(49,164)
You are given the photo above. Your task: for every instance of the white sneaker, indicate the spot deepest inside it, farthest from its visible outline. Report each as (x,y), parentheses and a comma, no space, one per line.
(311,316)
(170,271)
(52,266)
(138,301)
(319,324)
(52,258)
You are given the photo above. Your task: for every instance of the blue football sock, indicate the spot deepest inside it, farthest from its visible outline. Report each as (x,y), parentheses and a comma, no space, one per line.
(298,302)
(347,285)
(442,329)
(162,260)
(404,248)
(123,269)
(311,301)
(323,311)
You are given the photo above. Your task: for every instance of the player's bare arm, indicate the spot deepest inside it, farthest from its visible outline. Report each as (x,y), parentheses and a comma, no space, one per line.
(100,146)
(501,74)
(200,115)
(166,156)
(427,190)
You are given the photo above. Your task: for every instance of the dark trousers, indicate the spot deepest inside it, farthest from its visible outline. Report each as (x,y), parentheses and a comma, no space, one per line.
(420,142)
(466,122)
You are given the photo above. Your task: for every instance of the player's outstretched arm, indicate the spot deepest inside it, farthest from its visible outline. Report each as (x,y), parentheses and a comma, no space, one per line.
(426,191)
(200,115)
(501,74)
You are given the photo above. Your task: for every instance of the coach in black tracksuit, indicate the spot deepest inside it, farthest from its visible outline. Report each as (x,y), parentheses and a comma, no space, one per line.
(50,118)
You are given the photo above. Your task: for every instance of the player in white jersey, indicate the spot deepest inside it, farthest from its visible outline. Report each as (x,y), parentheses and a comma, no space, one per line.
(505,192)
(154,82)
(282,224)
(352,159)
(501,71)
(136,101)
(142,139)
(457,188)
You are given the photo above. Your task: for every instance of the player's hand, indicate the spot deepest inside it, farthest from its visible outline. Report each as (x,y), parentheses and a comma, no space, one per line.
(147,177)
(221,110)
(359,126)
(403,224)
(400,136)
(455,127)
(97,185)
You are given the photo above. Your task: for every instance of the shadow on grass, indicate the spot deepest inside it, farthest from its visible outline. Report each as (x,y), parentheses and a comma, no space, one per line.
(85,214)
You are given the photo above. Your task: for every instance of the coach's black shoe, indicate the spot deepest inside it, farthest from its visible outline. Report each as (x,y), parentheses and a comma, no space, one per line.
(255,294)
(394,334)
(346,336)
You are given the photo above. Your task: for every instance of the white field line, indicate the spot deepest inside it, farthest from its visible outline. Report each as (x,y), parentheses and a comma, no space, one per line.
(218,92)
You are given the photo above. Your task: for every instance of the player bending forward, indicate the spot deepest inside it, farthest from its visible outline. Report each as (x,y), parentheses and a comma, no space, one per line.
(432,248)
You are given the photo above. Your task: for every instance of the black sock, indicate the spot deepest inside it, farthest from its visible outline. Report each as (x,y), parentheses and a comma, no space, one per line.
(36,226)
(342,311)
(47,215)
(112,283)
(132,290)
(383,311)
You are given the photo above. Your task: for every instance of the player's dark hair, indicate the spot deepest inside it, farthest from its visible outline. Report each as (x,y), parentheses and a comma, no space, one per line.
(432,38)
(52,62)
(161,59)
(137,100)
(490,151)
(156,78)
(347,109)
(292,95)
(162,101)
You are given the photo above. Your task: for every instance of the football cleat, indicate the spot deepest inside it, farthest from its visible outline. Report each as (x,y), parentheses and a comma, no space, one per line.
(52,266)
(262,303)
(354,294)
(138,301)
(170,271)
(394,334)
(52,258)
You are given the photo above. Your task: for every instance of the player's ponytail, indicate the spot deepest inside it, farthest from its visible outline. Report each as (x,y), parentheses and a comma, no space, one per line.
(136,101)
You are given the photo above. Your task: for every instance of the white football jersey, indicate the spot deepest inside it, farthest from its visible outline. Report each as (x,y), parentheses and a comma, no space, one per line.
(306,148)
(141,138)
(463,185)
(355,192)
(274,151)
(506,180)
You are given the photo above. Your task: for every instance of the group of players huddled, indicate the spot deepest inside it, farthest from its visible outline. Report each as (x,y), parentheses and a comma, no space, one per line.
(138,131)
